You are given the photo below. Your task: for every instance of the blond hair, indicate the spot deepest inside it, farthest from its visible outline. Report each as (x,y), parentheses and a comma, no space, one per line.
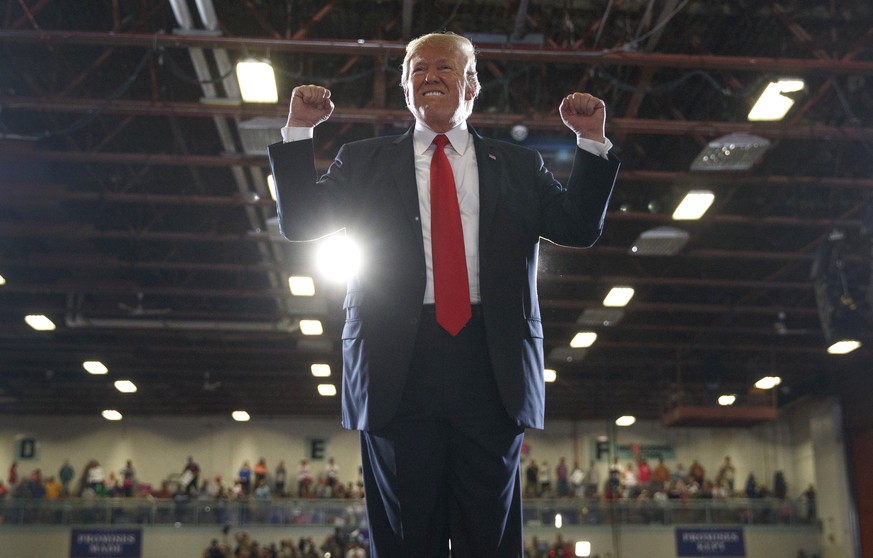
(448,41)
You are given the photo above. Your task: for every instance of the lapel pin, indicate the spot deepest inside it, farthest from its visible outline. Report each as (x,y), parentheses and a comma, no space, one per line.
(490,156)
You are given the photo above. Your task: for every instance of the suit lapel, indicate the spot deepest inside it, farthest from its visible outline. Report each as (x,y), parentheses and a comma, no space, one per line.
(403,165)
(488,162)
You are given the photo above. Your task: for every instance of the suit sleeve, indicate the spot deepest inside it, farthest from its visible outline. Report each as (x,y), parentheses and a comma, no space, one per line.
(308,207)
(574,215)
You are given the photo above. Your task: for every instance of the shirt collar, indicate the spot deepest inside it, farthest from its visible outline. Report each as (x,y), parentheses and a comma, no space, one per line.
(459,137)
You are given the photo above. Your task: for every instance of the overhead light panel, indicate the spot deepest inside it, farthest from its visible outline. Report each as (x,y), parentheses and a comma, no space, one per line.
(39,322)
(618,297)
(95,367)
(301,285)
(257,81)
(320,370)
(583,548)
(844,346)
(2,280)
(733,152)
(693,205)
(311,327)
(768,382)
(660,241)
(111,414)
(240,416)
(125,386)
(326,390)
(727,400)
(625,420)
(550,375)
(773,104)
(583,340)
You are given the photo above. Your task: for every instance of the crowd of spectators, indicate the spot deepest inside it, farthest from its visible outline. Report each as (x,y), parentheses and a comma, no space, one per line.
(250,482)
(639,479)
(340,544)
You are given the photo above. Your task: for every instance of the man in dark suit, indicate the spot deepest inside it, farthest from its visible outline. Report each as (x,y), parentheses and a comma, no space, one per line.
(442,407)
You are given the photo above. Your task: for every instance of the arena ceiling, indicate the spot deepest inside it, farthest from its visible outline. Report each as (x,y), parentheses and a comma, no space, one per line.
(135,212)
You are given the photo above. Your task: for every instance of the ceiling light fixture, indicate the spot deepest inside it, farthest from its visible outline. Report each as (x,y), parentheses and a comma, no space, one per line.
(240,416)
(257,81)
(733,152)
(326,390)
(660,241)
(583,340)
(843,346)
(693,205)
(550,375)
(774,104)
(39,322)
(625,420)
(95,367)
(320,370)
(768,382)
(2,280)
(301,285)
(583,548)
(727,399)
(311,327)
(125,386)
(618,297)
(111,414)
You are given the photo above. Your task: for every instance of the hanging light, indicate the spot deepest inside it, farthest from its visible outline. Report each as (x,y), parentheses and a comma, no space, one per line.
(257,82)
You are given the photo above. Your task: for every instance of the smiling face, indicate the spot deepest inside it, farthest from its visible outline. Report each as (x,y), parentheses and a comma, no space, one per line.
(437,91)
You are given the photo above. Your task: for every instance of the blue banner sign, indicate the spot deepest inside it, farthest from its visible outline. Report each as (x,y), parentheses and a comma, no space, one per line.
(106,543)
(720,541)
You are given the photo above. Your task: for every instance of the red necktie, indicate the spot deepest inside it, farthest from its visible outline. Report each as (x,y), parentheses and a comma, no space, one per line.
(451,289)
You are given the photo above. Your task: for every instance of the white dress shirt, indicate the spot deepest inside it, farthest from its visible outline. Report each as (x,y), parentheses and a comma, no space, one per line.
(462,156)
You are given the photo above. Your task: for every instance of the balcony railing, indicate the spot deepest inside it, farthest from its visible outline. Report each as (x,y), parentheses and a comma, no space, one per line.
(351,513)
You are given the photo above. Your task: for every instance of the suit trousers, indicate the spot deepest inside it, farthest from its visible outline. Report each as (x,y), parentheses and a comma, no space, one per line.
(445,471)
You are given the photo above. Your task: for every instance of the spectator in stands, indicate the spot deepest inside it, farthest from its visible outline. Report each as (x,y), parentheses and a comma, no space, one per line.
(697,473)
(531,479)
(644,474)
(331,473)
(679,474)
(577,480)
(3,490)
(216,551)
(661,475)
(12,478)
(592,480)
(630,482)
(545,480)
(561,476)
(260,471)
(245,477)
(751,489)
(726,474)
(304,479)
(280,477)
(53,489)
(94,478)
(780,487)
(128,479)
(66,474)
(190,476)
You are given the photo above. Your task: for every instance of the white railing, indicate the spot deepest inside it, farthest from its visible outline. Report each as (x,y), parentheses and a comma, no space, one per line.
(351,513)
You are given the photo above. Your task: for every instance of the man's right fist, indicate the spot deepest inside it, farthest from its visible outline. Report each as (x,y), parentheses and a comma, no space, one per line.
(310,106)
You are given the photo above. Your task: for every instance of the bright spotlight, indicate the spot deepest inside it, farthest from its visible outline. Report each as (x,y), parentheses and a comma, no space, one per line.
(338,258)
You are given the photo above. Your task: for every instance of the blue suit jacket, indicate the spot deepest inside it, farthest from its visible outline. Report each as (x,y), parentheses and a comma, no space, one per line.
(370,190)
